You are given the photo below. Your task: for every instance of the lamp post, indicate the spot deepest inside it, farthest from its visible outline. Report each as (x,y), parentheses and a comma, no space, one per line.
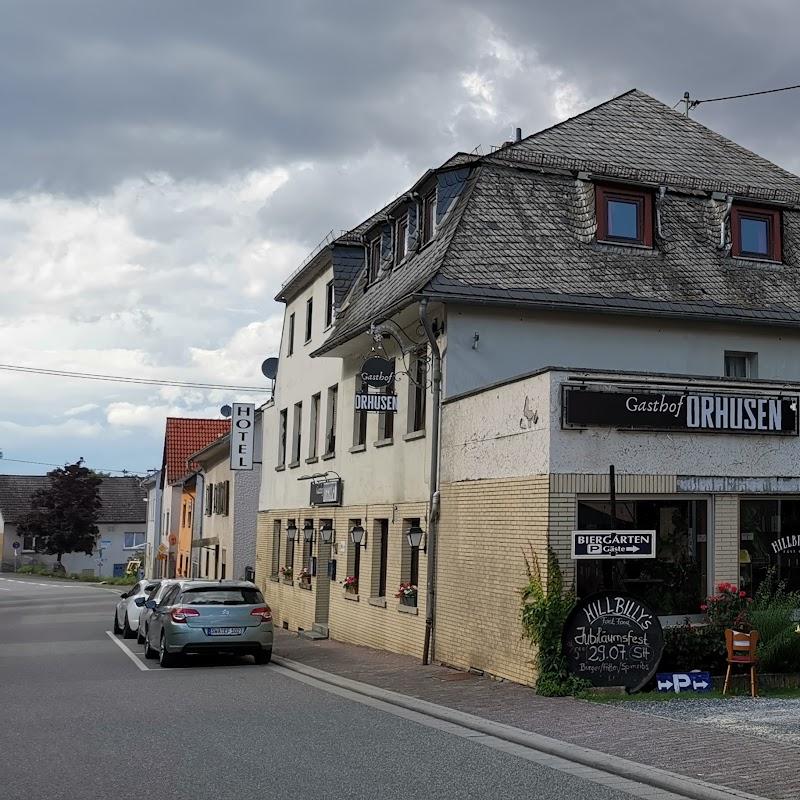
(357,534)
(308,531)
(414,536)
(291,531)
(326,533)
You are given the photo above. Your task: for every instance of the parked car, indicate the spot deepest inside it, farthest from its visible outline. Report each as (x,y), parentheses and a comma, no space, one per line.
(145,613)
(126,615)
(209,616)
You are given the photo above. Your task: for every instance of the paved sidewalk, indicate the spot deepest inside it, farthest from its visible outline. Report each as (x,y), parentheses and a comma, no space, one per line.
(738,761)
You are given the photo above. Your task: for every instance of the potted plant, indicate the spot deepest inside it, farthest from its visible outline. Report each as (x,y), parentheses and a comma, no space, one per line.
(286,573)
(304,576)
(407,594)
(351,584)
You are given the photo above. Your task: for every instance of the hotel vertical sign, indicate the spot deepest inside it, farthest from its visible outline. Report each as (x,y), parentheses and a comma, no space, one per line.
(243,423)
(687,412)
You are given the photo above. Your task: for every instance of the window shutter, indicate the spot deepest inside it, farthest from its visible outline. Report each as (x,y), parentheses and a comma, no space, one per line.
(226,497)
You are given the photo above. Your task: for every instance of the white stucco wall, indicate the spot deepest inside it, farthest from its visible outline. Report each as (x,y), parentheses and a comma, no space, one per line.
(482,437)
(518,342)
(394,473)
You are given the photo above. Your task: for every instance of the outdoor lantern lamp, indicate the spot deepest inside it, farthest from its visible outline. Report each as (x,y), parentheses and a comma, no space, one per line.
(291,531)
(357,534)
(308,531)
(326,533)
(414,535)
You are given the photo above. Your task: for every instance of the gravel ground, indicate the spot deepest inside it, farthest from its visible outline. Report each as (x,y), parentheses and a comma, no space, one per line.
(775,719)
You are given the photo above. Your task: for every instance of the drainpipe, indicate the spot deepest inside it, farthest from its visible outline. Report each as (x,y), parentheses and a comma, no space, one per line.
(433,522)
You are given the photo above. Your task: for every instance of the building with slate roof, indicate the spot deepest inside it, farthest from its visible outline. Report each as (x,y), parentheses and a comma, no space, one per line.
(121,520)
(623,289)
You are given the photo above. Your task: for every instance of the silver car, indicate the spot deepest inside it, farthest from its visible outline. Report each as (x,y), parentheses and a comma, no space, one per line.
(126,614)
(145,613)
(209,616)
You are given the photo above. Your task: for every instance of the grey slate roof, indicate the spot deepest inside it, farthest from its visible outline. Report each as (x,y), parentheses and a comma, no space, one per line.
(122,498)
(524,235)
(637,130)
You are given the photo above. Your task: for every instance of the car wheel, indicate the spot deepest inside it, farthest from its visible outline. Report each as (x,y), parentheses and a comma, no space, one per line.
(165,658)
(117,629)
(140,634)
(149,652)
(263,656)
(127,631)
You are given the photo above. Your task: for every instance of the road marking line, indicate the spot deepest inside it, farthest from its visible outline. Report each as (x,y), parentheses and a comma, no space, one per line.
(131,655)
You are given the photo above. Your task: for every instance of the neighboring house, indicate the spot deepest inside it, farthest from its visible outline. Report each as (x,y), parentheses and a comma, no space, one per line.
(563,283)
(227,548)
(182,437)
(188,496)
(152,486)
(122,520)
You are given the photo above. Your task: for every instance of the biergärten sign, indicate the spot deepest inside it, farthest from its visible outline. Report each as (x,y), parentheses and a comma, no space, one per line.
(613,639)
(689,411)
(327,492)
(613,544)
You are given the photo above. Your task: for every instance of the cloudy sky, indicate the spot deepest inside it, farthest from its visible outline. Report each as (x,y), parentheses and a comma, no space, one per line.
(165,166)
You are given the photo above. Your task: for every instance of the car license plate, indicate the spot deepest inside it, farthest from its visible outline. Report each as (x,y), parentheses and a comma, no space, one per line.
(223,631)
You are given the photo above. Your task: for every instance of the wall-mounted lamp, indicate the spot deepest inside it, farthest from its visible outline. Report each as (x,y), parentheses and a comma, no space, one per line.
(308,531)
(358,535)
(414,535)
(326,533)
(291,530)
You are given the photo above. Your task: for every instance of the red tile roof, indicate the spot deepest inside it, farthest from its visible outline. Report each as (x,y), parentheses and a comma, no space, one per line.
(186,436)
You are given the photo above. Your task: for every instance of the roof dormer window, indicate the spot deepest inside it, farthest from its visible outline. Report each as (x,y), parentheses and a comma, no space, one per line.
(624,216)
(756,232)
(428,216)
(374,257)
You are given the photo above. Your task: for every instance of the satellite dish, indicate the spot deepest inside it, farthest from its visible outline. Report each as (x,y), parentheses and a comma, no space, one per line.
(226,411)
(270,368)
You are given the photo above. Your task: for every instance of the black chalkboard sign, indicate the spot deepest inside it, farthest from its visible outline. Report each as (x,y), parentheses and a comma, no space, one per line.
(613,639)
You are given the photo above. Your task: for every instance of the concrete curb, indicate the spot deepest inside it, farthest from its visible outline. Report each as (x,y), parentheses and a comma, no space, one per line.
(691,788)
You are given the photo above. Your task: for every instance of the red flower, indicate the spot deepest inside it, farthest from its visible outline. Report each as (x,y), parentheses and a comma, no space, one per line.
(742,594)
(704,607)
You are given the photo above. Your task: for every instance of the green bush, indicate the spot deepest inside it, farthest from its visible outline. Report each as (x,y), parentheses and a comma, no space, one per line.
(772,614)
(688,647)
(545,608)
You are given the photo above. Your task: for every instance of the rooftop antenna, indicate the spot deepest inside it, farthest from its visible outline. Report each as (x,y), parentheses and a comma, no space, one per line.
(687,102)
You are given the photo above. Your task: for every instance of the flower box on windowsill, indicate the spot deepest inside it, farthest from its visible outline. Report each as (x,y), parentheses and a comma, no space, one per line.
(351,596)
(287,581)
(409,601)
(304,584)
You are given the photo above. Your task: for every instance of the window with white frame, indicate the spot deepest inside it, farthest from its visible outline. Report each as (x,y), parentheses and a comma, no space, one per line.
(313,426)
(134,540)
(297,433)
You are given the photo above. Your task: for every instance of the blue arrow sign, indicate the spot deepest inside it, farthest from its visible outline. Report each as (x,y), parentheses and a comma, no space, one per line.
(684,682)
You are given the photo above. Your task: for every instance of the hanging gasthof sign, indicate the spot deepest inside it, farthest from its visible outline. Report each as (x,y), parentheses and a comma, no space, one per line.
(377,372)
(384,403)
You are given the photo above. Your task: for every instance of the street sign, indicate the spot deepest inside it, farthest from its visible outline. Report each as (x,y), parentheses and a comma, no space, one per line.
(684,682)
(613,639)
(613,544)
(105,542)
(243,422)
(15,545)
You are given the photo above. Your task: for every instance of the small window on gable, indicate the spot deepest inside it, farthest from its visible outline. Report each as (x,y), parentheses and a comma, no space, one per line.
(756,232)
(400,236)
(329,296)
(374,257)
(624,216)
(428,216)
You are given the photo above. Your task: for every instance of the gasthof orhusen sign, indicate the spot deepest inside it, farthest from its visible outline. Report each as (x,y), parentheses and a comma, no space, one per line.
(690,412)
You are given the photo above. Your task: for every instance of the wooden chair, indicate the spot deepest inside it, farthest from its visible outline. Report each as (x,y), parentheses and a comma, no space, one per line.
(742,650)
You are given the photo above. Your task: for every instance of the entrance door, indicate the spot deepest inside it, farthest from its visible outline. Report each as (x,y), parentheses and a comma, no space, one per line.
(323,592)
(676,580)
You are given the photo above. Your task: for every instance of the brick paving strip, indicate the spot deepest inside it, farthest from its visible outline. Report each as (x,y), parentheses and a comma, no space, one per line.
(736,761)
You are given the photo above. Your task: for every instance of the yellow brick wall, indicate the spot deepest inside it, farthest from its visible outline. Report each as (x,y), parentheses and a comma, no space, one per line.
(351,618)
(486,529)
(726,539)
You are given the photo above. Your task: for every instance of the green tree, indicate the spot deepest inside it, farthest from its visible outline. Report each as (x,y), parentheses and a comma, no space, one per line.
(63,516)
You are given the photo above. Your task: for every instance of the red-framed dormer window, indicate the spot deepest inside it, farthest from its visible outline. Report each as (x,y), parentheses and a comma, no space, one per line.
(624,216)
(756,232)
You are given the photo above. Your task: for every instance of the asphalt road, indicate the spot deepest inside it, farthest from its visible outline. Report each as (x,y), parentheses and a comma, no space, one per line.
(79,718)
